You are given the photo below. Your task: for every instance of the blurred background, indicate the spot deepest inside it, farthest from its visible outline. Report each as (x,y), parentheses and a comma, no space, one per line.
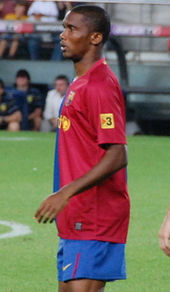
(138,51)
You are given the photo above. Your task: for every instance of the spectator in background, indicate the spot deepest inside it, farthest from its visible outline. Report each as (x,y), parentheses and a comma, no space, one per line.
(7,6)
(44,12)
(63,8)
(53,102)
(19,14)
(1,8)
(10,115)
(30,101)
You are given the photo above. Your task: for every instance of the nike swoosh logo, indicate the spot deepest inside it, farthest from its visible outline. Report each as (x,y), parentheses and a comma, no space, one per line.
(66,267)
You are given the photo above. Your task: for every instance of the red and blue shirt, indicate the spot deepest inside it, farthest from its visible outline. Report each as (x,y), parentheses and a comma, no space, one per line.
(91,116)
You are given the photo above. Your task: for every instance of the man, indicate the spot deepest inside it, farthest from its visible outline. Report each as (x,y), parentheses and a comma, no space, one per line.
(41,11)
(19,14)
(90,195)
(10,115)
(53,102)
(164,234)
(30,101)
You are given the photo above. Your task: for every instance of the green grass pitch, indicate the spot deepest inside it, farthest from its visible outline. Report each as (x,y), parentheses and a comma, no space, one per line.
(27,263)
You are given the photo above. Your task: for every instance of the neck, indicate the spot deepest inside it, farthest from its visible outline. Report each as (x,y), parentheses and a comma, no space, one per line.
(22,88)
(84,65)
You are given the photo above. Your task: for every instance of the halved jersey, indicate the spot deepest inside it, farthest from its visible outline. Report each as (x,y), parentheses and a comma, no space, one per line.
(92,116)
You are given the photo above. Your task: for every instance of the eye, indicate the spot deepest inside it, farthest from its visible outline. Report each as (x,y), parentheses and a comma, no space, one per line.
(71,28)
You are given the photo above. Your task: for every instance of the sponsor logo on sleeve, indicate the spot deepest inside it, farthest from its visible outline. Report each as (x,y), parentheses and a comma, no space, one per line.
(64,123)
(107,121)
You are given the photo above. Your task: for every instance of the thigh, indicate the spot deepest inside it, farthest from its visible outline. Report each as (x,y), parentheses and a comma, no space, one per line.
(62,286)
(85,285)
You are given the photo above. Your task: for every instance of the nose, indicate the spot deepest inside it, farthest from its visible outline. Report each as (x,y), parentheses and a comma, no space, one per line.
(62,35)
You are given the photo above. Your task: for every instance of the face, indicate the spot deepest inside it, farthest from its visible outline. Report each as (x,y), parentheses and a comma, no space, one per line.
(19,10)
(61,86)
(22,83)
(76,38)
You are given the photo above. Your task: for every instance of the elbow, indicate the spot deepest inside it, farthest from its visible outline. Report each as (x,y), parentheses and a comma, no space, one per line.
(123,163)
(123,156)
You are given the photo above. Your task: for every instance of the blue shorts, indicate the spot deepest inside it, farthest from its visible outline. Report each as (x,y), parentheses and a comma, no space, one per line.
(90,259)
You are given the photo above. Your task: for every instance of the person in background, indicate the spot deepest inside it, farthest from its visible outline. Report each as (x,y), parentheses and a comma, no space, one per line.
(40,11)
(30,101)
(13,39)
(10,115)
(1,8)
(53,102)
(164,234)
(63,8)
(7,6)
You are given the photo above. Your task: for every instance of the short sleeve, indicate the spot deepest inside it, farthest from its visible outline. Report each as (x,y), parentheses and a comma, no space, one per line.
(106,113)
(38,101)
(48,111)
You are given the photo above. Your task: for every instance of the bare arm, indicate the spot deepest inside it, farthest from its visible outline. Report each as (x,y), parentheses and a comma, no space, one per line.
(164,234)
(114,159)
(36,113)
(15,117)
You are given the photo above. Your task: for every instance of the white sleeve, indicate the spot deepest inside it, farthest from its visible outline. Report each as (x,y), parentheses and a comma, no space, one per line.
(48,111)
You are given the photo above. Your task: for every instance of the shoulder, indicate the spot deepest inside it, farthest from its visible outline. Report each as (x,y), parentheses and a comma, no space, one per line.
(10,16)
(103,75)
(8,96)
(53,94)
(24,17)
(102,80)
(34,91)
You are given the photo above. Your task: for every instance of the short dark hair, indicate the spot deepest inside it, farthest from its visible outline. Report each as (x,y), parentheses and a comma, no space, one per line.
(97,17)
(62,77)
(21,2)
(23,73)
(2,85)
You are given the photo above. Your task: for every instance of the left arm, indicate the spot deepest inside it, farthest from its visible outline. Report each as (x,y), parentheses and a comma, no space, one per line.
(36,113)
(164,234)
(114,159)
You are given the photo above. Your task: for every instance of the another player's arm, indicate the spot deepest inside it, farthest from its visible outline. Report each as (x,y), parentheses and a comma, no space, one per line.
(114,159)
(164,234)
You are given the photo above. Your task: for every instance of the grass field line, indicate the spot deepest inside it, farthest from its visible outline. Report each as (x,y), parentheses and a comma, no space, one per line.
(16,138)
(17,229)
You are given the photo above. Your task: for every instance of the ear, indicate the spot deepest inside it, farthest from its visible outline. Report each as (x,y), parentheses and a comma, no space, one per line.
(96,38)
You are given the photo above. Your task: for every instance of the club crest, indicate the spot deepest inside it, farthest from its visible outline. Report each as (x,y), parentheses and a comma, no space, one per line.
(70,98)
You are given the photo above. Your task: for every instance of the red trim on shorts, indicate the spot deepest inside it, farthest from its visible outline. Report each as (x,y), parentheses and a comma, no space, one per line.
(76,265)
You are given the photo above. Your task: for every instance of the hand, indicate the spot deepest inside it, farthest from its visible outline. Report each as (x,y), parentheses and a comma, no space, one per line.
(164,236)
(51,206)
